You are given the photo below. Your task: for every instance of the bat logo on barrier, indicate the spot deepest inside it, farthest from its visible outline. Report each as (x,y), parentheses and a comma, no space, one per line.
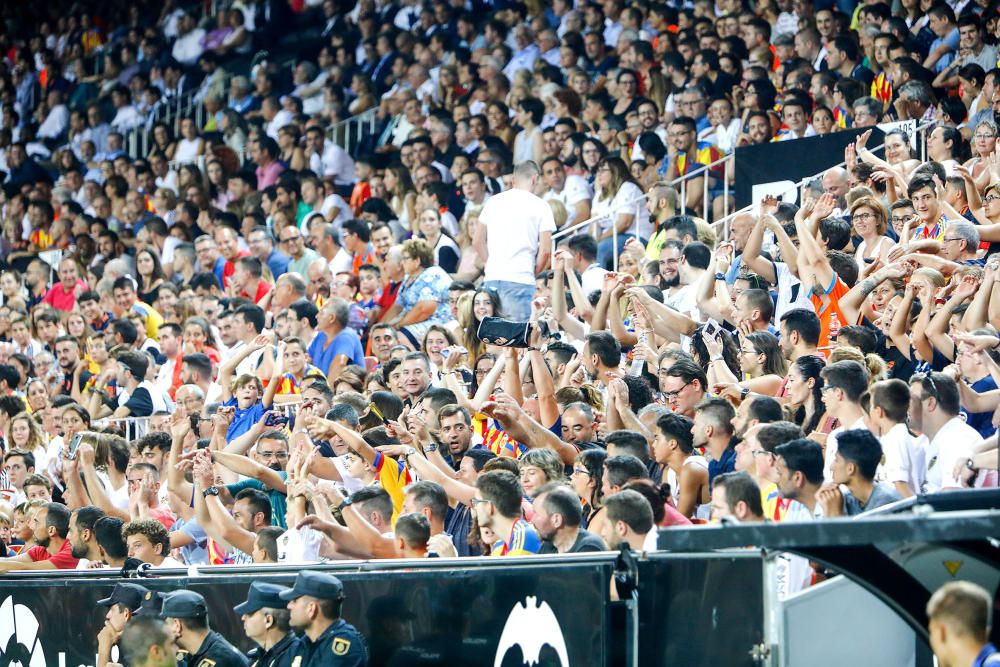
(19,643)
(532,627)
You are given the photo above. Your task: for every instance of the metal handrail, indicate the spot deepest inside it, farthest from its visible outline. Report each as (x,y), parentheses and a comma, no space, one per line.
(724,160)
(724,221)
(349,132)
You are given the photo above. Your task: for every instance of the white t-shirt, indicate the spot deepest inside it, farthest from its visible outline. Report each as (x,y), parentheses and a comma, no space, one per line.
(787,284)
(905,458)
(831,447)
(627,201)
(337,202)
(951,444)
(514,220)
(575,190)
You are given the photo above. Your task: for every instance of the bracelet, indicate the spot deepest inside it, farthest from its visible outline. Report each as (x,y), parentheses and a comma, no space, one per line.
(720,276)
(717,357)
(431,447)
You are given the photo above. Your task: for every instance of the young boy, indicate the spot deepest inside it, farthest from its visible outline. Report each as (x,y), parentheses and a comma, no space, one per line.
(245,396)
(904,466)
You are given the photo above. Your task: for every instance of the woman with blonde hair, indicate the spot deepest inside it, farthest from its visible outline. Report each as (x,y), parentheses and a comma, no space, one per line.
(25,434)
(471,266)
(875,365)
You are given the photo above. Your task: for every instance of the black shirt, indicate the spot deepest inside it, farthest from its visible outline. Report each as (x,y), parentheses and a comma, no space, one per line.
(586,542)
(215,651)
(279,655)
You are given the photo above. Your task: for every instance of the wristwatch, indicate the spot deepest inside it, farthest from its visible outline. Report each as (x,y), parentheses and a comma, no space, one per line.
(210,491)
(970,464)
(720,276)
(347,502)
(431,447)
(410,451)
(744,392)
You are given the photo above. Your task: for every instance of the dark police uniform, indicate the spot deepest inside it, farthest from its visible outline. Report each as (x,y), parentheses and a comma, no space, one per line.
(215,651)
(263,595)
(340,645)
(279,655)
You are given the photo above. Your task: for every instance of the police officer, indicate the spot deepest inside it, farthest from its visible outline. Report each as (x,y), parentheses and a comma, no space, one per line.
(265,620)
(123,603)
(327,640)
(186,615)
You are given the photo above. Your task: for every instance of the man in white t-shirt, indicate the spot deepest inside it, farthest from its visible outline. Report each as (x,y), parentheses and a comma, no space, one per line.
(572,191)
(514,238)
(934,411)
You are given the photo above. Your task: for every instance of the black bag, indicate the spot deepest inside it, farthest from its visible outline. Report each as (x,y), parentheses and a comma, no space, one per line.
(498,331)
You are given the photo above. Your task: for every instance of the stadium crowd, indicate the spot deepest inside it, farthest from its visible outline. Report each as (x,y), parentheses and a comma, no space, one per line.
(251,345)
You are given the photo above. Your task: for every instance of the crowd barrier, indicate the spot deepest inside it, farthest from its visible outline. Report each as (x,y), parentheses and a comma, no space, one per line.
(133,427)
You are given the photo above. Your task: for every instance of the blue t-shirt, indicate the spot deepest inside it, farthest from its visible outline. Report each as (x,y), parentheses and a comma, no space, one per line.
(981,421)
(243,419)
(346,343)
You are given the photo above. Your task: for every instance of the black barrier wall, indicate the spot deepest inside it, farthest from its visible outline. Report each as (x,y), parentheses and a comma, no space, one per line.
(510,615)
(705,611)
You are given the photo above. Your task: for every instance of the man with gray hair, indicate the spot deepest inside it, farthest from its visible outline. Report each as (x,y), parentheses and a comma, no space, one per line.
(960,243)
(916,100)
(514,239)
(867,111)
(335,345)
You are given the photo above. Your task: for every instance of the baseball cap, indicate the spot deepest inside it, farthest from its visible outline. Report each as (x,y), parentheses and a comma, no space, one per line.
(183,604)
(315,584)
(261,595)
(127,595)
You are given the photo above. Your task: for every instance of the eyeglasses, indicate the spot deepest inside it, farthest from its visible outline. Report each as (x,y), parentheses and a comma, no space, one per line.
(760,452)
(861,217)
(273,455)
(904,218)
(984,136)
(581,471)
(991,198)
(670,395)
(828,388)
(951,239)
(477,501)
(750,351)
(291,239)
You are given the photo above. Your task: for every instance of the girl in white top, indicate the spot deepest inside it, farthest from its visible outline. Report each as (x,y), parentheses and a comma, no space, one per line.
(618,201)
(190,145)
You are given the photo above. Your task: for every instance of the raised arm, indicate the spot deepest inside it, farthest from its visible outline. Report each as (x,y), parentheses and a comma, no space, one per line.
(751,256)
(228,368)
(220,525)
(526,431)
(95,487)
(241,465)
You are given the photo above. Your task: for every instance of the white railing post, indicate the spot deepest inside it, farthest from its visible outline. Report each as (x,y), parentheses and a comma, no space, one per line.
(704,197)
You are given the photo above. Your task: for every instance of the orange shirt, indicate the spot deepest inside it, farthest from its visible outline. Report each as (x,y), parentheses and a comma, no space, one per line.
(827,305)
